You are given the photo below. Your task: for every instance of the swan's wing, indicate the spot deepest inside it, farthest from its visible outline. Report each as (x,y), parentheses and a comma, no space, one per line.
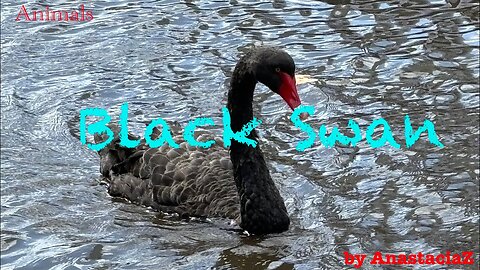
(186,180)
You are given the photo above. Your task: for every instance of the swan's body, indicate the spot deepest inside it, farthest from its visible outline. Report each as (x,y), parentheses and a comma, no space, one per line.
(211,182)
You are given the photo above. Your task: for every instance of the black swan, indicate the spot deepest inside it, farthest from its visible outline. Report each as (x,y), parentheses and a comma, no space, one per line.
(209,182)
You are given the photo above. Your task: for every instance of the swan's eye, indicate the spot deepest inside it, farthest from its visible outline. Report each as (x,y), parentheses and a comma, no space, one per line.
(277,69)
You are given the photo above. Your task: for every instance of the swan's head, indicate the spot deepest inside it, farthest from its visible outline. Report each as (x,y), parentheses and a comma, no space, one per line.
(275,68)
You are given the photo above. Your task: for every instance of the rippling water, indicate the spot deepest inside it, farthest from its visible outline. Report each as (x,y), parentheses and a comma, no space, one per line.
(173,59)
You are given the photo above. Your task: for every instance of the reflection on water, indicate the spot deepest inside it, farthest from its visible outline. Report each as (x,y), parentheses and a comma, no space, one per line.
(173,60)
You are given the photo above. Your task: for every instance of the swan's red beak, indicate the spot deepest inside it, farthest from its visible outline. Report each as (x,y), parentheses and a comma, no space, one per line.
(288,90)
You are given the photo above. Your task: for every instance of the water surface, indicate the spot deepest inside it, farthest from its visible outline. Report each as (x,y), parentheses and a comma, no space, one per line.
(173,59)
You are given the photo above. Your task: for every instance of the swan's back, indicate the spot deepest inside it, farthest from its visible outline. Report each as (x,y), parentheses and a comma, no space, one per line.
(189,181)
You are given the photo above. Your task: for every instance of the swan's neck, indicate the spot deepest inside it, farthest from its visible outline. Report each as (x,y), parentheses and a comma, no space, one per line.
(240,98)
(261,206)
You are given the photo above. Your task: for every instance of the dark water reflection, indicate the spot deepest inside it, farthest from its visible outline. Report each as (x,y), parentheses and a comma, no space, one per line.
(171,59)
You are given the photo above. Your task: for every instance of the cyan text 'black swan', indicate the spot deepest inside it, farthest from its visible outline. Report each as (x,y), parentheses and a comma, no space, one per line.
(209,182)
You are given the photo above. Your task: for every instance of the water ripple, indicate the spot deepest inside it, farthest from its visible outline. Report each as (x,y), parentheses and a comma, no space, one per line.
(171,59)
